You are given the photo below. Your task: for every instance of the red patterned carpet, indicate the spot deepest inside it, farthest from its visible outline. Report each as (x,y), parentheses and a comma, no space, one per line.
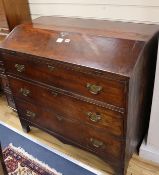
(18,162)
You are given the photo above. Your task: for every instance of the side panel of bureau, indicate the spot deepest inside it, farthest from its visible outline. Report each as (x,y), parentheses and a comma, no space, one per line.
(140,98)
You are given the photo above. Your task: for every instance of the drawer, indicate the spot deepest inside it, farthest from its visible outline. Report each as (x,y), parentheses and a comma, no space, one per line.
(85,84)
(67,106)
(102,144)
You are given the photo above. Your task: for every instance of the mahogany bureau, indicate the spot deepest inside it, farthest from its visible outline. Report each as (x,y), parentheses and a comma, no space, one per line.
(89,83)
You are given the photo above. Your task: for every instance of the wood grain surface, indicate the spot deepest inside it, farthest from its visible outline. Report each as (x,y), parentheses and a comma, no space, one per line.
(104,71)
(137,165)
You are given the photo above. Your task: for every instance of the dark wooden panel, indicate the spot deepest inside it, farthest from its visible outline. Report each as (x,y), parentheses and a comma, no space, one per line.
(112,92)
(140,98)
(72,130)
(72,108)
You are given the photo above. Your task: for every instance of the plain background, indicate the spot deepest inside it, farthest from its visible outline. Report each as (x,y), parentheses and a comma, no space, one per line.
(145,11)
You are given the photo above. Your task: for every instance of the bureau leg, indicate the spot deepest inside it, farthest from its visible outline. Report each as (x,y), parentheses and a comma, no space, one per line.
(25,126)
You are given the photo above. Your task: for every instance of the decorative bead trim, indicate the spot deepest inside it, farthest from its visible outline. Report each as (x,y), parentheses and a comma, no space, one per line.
(79,69)
(71,66)
(77,96)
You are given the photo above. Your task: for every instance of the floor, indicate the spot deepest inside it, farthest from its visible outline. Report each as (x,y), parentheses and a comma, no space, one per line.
(137,166)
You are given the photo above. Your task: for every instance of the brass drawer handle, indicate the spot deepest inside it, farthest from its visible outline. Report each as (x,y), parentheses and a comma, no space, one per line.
(51,68)
(30,114)
(96,143)
(94,89)
(25,92)
(94,117)
(20,67)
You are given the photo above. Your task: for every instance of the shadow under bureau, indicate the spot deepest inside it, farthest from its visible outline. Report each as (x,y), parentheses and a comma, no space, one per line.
(84,82)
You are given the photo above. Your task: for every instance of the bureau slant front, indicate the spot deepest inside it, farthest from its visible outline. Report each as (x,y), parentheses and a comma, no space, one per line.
(87,86)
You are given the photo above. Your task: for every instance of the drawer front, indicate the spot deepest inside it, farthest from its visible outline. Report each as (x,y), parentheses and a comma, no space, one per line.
(100,143)
(95,87)
(69,107)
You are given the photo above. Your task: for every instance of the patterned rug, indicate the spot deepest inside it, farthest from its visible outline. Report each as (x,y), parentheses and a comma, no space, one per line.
(63,163)
(19,162)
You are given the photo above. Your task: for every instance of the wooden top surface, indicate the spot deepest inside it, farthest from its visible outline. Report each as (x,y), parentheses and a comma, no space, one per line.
(125,30)
(106,53)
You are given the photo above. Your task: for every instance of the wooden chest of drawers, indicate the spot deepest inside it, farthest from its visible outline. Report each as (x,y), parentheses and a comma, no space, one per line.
(88,86)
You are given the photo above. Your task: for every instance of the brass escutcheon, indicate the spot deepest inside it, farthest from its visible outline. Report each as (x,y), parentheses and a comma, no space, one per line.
(24,91)
(30,114)
(20,67)
(51,68)
(96,143)
(94,89)
(94,117)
